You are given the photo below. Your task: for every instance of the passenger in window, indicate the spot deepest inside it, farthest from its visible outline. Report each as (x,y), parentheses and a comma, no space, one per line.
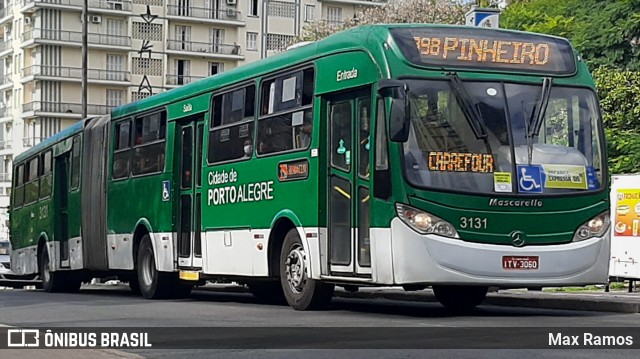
(139,139)
(248,148)
(120,168)
(304,137)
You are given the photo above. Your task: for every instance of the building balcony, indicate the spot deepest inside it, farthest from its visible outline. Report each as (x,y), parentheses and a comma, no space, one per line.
(74,74)
(206,49)
(117,6)
(61,109)
(109,6)
(6,48)
(31,141)
(5,147)
(29,6)
(35,37)
(179,80)
(358,2)
(6,81)
(196,14)
(5,114)
(6,14)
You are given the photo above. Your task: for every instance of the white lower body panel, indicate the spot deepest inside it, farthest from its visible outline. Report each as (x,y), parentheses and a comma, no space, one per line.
(434,259)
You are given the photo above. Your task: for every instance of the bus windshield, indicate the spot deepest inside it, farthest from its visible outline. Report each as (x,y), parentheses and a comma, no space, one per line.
(445,150)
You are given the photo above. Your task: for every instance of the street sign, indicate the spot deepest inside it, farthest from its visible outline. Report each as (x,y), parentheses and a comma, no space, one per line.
(483,17)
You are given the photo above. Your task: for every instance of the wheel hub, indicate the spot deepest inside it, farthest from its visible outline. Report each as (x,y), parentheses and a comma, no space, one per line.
(295,269)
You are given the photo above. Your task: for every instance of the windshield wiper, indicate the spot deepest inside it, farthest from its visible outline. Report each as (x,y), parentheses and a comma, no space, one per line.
(537,116)
(540,108)
(471,112)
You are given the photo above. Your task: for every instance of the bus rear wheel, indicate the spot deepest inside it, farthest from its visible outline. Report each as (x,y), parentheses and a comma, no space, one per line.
(301,292)
(460,298)
(56,282)
(152,283)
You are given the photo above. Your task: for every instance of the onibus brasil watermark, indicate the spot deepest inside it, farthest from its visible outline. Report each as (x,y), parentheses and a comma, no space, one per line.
(37,338)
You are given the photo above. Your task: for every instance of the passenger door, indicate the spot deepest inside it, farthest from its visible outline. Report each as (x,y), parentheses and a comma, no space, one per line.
(188,180)
(349,120)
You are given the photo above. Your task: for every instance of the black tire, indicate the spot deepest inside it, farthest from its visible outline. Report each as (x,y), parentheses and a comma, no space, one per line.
(460,298)
(56,282)
(152,283)
(300,291)
(134,285)
(268,292)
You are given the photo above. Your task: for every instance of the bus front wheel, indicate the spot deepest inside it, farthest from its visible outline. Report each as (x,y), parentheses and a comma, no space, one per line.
(301,292)
(460,298)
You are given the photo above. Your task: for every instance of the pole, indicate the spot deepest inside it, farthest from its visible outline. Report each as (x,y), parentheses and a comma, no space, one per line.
(85,18)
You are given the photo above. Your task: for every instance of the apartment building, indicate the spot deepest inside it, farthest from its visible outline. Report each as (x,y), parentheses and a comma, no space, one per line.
(135,48)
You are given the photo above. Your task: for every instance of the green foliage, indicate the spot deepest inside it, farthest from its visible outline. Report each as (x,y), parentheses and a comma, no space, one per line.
(606,33)
(619,91)
(551,17)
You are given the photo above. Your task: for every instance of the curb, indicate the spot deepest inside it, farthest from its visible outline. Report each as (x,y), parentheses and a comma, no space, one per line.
(544,301)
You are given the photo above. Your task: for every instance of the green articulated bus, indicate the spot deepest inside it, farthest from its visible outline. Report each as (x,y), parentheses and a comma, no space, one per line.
(406,155)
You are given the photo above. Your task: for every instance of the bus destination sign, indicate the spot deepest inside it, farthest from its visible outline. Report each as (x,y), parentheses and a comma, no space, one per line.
(486,49)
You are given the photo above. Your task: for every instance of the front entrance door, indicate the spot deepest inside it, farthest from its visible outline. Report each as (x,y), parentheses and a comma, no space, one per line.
(349,119)
(188,179)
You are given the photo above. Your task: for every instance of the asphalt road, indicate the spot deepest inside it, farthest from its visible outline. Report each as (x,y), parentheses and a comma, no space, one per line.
(376,322)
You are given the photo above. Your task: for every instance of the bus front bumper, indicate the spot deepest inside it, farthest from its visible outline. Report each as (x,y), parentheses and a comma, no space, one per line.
(434,259)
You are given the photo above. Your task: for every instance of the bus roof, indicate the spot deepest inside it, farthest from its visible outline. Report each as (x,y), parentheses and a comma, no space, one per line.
(349,39)
(66,133)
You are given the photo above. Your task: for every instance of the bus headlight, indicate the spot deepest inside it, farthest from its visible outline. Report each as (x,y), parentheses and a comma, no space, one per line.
(595,227)
(424,222)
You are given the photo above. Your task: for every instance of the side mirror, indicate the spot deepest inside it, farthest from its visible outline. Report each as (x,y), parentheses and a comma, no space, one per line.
(399,120)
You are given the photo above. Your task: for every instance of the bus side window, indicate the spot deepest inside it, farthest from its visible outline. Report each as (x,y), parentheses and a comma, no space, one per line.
(149,146)
(18,182)
(286,117)
(232,125)
(121,152)
(46,178)
(75,163)
(31,188)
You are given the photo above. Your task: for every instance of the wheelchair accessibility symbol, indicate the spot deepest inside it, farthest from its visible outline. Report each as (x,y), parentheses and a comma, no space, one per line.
(166,190)
(530,178)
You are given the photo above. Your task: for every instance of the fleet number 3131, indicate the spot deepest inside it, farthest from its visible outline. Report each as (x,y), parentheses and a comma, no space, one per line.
(473,222)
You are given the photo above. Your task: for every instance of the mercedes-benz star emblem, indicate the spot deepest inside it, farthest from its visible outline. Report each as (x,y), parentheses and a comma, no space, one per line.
(517,238)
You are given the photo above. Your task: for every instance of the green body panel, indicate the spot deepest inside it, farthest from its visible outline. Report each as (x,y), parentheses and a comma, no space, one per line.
(293,199)
(347,70)
(32,222)
(189,107)
(141,197)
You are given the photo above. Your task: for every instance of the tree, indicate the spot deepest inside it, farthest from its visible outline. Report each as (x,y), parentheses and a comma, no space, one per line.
(395,11)
(604,32)
(619,91)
